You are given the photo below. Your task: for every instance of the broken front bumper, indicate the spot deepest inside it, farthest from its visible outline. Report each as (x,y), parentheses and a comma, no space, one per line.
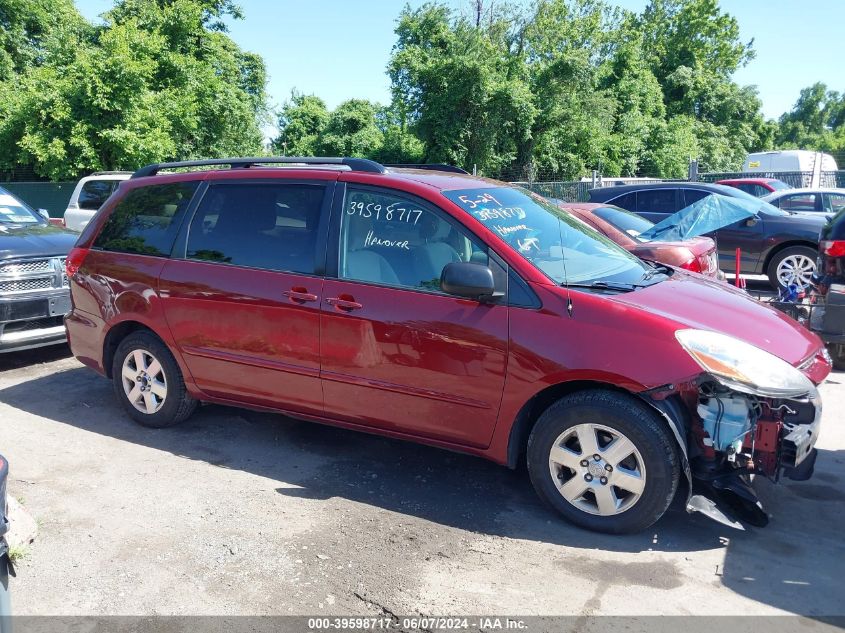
(779,440)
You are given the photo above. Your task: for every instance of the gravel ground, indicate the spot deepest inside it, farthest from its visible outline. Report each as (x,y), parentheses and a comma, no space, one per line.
(237,512)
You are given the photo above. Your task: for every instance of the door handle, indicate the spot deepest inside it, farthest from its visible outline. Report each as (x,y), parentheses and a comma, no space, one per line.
(300,295)
(343,304)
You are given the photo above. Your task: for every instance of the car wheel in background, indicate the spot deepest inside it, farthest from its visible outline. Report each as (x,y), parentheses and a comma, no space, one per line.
(148,382)
(795,263)
(604,460)
(837,355)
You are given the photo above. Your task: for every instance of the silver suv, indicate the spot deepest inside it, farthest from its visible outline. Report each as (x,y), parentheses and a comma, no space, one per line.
(89,195)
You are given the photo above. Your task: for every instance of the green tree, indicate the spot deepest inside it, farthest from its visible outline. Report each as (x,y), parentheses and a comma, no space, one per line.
(301,123)
(816,121)
(159,80)
(351,130)
(24,26)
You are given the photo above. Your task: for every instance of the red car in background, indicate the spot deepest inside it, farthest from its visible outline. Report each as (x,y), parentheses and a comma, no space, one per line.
(755,186)
(697,254)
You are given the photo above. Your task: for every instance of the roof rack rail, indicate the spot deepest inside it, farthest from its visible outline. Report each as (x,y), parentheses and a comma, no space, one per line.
(431,167)
(354,164)
(110,173)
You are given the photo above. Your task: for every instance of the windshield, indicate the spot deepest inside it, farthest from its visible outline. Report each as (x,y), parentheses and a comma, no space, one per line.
(625,221)
(562,247)
(14,211)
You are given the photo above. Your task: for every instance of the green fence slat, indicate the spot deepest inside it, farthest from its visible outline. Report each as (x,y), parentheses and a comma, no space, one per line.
(52,196)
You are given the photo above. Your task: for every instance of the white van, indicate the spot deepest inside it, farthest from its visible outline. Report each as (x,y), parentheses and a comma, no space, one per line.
(790,160)
(89,195)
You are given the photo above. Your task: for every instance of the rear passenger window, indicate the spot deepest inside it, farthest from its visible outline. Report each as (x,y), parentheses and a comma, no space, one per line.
(146,220)
(656,201)
(393,240)
(94,193)
(270,226)
(693,195)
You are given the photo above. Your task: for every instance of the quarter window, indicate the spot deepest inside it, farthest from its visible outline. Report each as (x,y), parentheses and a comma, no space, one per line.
(270,226)
(834,202)
(396,241)
(628,201)
(147,220)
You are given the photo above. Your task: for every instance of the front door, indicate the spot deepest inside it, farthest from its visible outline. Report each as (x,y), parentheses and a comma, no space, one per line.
(244,303)
(397,353)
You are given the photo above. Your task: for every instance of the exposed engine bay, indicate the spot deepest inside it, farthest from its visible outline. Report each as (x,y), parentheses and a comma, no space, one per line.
(732,436)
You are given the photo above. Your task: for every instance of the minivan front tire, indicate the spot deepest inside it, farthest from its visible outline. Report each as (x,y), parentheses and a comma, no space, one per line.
(148,382)
(604,460)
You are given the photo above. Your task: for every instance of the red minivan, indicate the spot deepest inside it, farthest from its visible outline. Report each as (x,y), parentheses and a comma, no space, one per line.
(446,309)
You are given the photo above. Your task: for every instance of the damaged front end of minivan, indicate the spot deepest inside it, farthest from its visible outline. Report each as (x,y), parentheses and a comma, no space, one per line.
(748,413)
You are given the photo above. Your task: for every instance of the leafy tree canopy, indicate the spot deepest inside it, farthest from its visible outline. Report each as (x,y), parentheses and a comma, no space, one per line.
(159,80)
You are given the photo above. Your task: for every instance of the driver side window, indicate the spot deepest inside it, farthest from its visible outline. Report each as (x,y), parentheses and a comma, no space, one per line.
(393,240)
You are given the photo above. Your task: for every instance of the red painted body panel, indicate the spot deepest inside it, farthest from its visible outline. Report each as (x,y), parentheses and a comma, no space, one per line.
(241,337)
(693,302)
(415,362)
(436,369)
(733,182)
(111,289)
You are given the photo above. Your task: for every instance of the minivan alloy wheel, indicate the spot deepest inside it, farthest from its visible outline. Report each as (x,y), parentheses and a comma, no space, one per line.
(144,382)
(597,469)
(796,268)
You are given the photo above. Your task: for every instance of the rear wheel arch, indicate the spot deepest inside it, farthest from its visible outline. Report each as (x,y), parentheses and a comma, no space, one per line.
(773,252)
(115,335)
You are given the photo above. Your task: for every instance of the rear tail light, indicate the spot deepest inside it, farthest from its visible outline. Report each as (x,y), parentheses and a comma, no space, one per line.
(694,264)
(74,261)
(833,248)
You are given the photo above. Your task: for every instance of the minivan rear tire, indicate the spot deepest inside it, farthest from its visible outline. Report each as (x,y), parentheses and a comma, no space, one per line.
(176,405)
(651,467)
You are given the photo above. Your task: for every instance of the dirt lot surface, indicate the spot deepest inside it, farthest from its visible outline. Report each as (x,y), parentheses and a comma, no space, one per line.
(236,512)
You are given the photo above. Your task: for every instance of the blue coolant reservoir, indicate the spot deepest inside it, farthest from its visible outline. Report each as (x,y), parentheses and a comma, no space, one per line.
(726,421)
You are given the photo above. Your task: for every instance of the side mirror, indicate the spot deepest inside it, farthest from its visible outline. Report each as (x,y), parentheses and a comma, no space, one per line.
(465,279)
(44,214)
(752,221)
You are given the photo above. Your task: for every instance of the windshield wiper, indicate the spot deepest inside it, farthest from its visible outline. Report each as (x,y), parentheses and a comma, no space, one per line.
(657,269)
(606,285)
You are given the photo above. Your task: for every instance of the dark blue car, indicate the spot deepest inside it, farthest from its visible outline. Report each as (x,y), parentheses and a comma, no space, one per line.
(777,243)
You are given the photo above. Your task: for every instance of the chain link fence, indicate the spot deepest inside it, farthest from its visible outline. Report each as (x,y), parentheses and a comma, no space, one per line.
(577,190)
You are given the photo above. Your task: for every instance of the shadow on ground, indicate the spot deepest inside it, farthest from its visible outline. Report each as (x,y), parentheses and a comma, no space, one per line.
(780,565)
(30,357)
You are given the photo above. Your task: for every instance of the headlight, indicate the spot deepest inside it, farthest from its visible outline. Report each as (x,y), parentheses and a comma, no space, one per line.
(743,367)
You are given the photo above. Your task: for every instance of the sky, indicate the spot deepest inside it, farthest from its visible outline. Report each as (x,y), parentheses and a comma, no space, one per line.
(339,49)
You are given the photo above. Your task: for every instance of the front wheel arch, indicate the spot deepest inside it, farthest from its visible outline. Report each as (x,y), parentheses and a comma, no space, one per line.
(671,410)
